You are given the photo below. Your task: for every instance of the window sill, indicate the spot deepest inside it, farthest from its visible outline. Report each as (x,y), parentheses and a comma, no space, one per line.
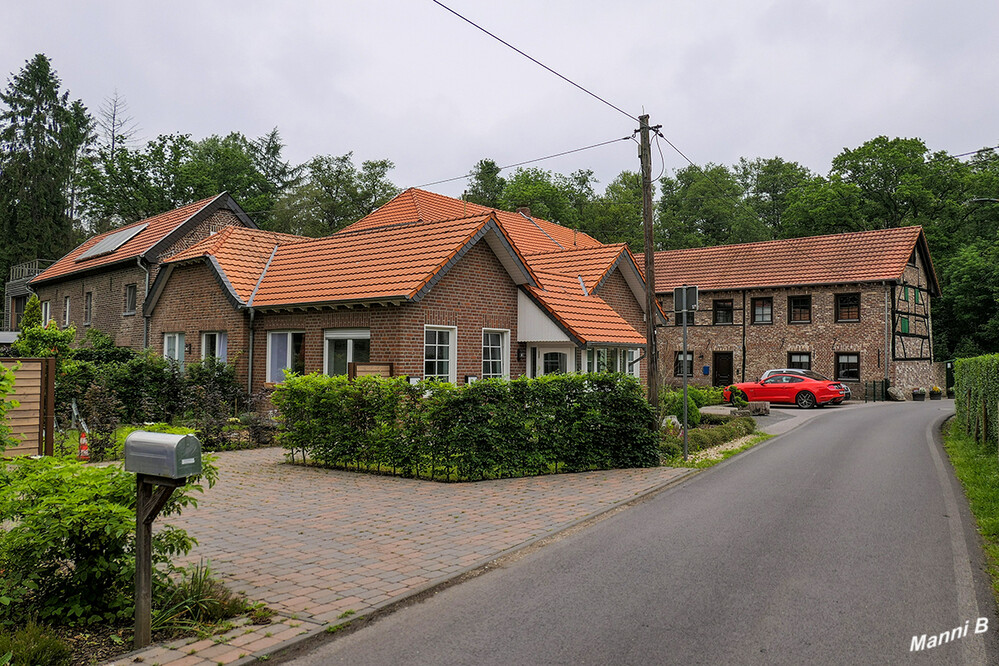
(761,323)
(128,314)
(799,323)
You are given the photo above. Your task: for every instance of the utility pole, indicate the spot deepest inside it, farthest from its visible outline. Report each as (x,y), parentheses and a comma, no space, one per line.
(651,348)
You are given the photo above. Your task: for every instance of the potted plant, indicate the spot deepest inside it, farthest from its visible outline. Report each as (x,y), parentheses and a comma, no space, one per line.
(936,393)
(919,394)
(950,392)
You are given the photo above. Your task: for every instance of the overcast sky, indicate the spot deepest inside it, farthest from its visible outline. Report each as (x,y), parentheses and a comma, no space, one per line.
(408,81)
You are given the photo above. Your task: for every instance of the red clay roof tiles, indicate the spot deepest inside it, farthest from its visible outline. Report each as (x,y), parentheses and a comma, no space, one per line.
(157,228)
(865,256)
(531,235)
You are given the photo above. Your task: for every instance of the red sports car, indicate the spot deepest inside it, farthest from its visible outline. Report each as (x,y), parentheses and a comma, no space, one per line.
(802,391)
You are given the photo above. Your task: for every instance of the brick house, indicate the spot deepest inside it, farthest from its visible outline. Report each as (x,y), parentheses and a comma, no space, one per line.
(435,286)
(104,282)
(853,306)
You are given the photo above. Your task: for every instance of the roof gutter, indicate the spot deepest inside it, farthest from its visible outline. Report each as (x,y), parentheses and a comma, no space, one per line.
(145,295)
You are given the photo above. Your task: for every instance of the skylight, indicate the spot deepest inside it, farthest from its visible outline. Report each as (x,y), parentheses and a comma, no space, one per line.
(110,243)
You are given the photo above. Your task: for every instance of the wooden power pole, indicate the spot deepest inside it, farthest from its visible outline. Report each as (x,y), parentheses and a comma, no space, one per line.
(651,348)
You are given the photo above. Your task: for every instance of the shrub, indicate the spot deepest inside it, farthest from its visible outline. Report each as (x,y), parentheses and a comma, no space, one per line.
(705,395)
(32,315)
(67,555)
(33,645)
(672,404)
(6,387)
(704,438)
(491,428)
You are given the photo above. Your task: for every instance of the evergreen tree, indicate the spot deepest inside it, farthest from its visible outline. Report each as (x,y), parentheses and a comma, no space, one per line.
(43,137)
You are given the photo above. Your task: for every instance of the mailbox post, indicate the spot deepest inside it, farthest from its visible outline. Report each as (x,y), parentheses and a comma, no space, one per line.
(164,461)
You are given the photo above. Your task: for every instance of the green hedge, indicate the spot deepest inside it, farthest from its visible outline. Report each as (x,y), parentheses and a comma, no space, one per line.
(976,398)
(489,429)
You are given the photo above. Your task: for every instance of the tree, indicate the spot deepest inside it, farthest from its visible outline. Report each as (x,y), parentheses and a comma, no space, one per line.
(333,194)
(32,314)
(551,197)
(616,216)
(43,137)
(486,185)
(704,206)
(823,206)
(890,175)
(767,185)
(128,184)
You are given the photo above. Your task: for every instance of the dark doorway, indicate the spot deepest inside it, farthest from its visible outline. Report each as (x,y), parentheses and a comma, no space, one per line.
(722,373)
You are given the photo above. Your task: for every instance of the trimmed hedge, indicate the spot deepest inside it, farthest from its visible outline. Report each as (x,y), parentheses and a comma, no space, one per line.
(976,398)
(489,429)
(705,438)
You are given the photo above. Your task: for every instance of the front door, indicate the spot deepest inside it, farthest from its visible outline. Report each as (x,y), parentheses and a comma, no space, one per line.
(722,373)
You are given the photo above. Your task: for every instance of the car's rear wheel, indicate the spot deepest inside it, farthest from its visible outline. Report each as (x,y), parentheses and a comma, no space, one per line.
(805,400)
(738,395)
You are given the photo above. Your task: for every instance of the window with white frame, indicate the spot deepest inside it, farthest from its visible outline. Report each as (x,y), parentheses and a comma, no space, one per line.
(46,312)
(215,344)
(612,359)
(554,363)
(285,351)
(65,311)
(173,347)
(679,365)
(439,351)
(343,346)
(495,354)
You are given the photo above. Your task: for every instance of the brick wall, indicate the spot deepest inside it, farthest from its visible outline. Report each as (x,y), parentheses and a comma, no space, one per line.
(108,311)
(108,289)
(768,345)
(616,292)
(194,303)
(476,293)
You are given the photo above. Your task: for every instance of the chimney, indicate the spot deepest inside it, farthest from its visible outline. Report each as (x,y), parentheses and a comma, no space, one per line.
(524,210)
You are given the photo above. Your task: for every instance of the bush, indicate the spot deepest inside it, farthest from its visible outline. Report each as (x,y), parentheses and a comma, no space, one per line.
(704,438)
(672,404)
(489,429)
(33,645)
(67,550)
(6,387)
(705,395)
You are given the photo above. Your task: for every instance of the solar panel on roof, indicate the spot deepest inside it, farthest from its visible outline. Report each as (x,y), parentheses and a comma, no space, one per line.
(111,243)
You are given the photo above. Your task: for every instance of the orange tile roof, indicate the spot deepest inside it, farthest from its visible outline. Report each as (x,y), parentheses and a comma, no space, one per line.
(589,319)
(242,254)
(530,235)
(591,263)
(157,228)
(383,263)
(864,256)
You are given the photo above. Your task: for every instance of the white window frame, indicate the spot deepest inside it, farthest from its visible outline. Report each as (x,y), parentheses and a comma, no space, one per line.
(452,351)
(65,311)
(624,356)
(46,312)
(178,341)
(219,336)
(348,334)
(270,379)
(504,334)
(537,353)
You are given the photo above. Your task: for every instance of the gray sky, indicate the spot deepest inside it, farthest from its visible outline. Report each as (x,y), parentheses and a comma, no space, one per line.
(408,81)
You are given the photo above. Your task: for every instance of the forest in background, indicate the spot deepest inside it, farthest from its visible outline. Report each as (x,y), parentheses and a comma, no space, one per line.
(67,173)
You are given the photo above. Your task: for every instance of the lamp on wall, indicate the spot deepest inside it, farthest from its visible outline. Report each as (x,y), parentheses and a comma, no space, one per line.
(521,353)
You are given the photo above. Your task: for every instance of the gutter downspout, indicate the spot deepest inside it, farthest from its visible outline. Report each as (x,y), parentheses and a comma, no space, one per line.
(888,325)
(743,378)
(145,295)
(249,359)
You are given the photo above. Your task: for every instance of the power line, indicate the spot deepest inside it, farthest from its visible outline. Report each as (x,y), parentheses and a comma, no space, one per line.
(537,159)
(535,60)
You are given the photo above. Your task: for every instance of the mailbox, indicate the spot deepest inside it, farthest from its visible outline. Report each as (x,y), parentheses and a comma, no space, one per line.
(163,454)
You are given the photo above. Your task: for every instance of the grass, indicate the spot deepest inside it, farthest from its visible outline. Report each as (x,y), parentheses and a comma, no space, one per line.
(977,467)
(713,456)
(70,438)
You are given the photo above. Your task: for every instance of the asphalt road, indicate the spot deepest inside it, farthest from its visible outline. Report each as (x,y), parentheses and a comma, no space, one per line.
(835,543)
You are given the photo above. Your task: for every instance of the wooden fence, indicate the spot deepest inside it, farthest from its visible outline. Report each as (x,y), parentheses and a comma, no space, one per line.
(32,422)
